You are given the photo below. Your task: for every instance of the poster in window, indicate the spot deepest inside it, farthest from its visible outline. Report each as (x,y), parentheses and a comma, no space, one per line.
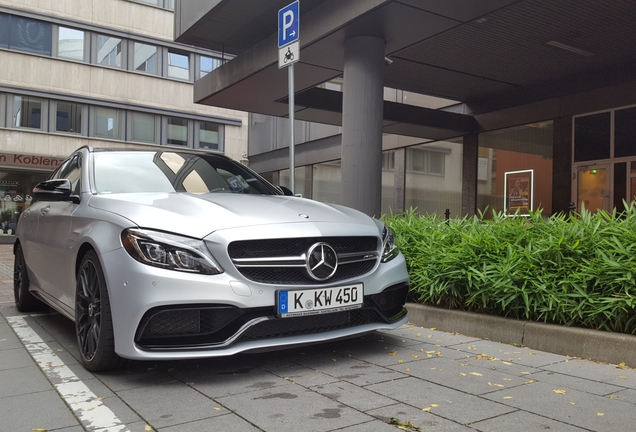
(518,196)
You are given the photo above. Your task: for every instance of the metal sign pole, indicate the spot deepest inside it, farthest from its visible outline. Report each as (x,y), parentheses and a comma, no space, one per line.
(292,163)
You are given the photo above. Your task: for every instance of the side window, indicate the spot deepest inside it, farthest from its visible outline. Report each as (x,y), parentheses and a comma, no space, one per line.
(72,171)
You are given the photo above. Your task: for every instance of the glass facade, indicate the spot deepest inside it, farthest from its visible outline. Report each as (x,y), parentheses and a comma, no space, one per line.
(178,65)
(109,51)
(27,112)
(145,58)
(70,44)
(26,34)
(505,153)
(388,182)
(15,190)
(177,131)
(107,123)
(68,117)
(143,127)
(434,177)
(299,180)
(327,180)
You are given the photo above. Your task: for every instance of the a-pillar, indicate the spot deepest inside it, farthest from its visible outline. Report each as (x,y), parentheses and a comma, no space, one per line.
(362,115)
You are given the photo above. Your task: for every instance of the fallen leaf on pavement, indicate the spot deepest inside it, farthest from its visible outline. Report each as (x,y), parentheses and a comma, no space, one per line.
(476,374)
(407,425)
(559,392)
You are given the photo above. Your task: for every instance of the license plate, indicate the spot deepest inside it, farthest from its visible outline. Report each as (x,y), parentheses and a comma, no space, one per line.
(317,301)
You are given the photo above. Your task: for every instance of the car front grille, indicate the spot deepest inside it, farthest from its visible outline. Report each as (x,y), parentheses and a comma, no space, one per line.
(207,326)
(283,261)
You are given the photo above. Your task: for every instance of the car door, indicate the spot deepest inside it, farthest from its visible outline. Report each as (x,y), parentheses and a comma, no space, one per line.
(53,260)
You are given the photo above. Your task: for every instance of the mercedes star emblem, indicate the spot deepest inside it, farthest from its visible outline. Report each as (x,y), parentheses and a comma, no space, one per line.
(322,261)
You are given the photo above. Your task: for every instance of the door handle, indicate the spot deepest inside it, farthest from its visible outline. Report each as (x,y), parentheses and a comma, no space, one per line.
(45,210)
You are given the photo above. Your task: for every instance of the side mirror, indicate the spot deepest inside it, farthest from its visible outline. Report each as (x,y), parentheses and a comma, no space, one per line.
(286,191)
(54,190)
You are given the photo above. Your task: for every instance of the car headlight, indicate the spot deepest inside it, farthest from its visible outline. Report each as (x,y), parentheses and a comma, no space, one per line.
(169,251)
(390,249)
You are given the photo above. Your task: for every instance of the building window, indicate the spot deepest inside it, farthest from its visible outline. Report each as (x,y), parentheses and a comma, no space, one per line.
(388,160)
(327,182)
(179,65)
(164,4)
(176,131)
(145,58)
(592,137)
(27,112)
(69,117)
(425,161)
(625,132)
(4,30)
(70,44)
(109,51)
(144,127)
(207,65)
(107,123)
(30,35)
(209,136)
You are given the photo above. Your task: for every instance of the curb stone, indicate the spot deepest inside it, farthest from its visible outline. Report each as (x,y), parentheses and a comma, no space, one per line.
(590,344)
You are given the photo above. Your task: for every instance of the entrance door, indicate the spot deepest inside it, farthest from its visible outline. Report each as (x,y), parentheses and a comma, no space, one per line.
(592,188)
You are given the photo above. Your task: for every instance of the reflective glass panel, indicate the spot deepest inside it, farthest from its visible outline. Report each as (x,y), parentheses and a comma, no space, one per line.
(179,65)
(30,35)
(327,179)
(625,132)
(70,44)
(27,112)
(207,65)
(433,177)
(505,151)
(177,131)
(592,137)
(388,181)
(299,180)
(109,50)
(106,122)
(4,30)
(143,127)
(145,58)
(209,136)
(68,117)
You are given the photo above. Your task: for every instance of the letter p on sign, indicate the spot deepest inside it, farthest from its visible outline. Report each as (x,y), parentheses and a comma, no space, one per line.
(288,27)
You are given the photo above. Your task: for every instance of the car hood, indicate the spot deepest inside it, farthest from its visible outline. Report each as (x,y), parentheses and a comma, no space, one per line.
(199,215)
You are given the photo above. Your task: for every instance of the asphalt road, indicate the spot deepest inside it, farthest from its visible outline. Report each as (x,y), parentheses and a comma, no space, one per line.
(411,378)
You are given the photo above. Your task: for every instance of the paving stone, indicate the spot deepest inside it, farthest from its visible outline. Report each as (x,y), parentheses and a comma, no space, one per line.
(521,421)
(460,375)
(35,410)
(15,358)
(22,381)
(452,404)
(606,373)
(134,377)
(224,423)
(292,408)
(423,334)
(229,379)
(510,353)
(427,421)
(170,404)
(353,396)
(628,395)
(373,425)
(302,375)
(354,371)
(573,407)
(585,385)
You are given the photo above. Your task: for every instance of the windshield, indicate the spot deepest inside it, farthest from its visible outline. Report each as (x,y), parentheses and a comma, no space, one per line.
(163,171)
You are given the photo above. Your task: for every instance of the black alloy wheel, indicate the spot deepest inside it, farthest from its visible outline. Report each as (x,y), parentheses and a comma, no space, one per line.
(24,300)
(93,322)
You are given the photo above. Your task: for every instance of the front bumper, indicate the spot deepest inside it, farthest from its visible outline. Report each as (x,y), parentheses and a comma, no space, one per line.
(165,314)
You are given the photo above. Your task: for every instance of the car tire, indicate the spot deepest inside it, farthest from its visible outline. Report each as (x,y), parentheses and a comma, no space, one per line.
(24,300)
(93,320)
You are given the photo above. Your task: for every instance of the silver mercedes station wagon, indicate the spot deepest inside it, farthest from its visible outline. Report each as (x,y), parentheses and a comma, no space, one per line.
(168,254)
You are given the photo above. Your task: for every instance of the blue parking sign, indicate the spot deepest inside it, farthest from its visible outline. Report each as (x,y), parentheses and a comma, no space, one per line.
(288,27)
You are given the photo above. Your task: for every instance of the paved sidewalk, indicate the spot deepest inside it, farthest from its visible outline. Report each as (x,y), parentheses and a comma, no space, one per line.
(412,376)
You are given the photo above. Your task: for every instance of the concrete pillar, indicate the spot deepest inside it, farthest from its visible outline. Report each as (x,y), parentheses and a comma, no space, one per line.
(469,174)
(362,115)
(562,164)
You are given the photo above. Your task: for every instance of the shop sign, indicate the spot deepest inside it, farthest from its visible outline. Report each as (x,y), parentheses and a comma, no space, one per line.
(29,161)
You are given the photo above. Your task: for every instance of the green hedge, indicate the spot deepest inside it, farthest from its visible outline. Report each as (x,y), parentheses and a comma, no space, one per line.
(574,271)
